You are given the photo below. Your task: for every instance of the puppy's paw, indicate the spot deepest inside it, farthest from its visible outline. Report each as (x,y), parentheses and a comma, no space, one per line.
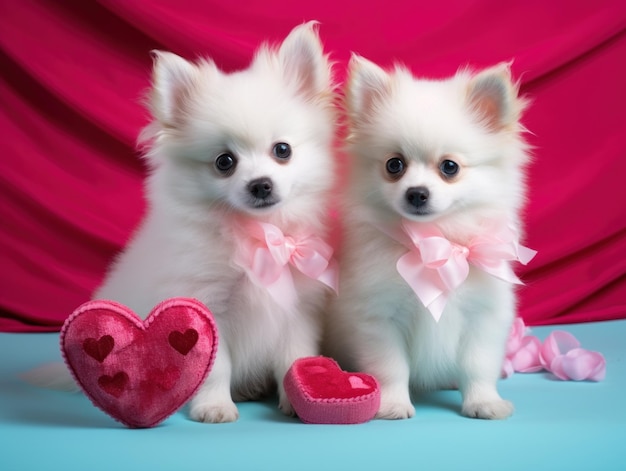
(212,413)
(395,411)
(498,409)
(286,407)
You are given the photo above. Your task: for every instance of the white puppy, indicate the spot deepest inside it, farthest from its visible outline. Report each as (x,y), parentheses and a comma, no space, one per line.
(227,152)
(431,222)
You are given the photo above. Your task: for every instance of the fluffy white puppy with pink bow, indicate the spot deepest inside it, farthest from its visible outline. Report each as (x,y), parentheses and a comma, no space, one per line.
(241,168)
(431,230)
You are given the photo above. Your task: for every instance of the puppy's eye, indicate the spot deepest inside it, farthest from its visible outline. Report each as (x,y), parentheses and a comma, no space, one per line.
(282,151)
(225,163)
(395,167)
(449,168)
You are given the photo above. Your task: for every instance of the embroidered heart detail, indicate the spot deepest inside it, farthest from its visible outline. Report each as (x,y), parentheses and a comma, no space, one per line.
(182,343)
(113,385)
(99,349)
(357,382)
(140,371)
(322,393)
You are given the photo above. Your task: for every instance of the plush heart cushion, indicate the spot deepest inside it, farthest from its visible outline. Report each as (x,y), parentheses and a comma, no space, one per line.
(322,393)
(140,371)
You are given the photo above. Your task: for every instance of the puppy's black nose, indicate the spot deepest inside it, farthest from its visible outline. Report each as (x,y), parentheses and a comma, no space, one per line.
(260,188)
(417,196)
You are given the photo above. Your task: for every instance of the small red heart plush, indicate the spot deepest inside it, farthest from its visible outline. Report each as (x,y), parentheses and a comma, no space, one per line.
(322,393)
(140,371)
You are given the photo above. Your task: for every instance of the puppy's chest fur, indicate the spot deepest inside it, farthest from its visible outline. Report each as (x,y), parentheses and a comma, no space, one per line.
(245,310)
(253,325)
(169,258)
(433,349)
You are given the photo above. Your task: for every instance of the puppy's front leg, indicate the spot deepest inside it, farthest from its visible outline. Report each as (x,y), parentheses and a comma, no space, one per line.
(213,402)
(382,353)
(481,358)
(480,395)
(300,340)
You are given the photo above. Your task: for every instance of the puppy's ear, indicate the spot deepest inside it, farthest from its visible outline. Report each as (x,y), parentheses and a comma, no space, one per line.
(172,79)
(492,96)
(367,84)
(302,57)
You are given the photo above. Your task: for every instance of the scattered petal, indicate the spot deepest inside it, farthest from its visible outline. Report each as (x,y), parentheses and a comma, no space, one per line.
(580,364)
(556,368)
(557,343)
(507,369)
(526,359)
(560,354)
(514,341)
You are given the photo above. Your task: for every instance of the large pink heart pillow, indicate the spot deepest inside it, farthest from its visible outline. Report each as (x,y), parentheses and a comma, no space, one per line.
(140,371)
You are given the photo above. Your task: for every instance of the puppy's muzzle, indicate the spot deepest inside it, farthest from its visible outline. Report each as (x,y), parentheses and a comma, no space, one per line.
(262,193)
(261,188)
(417,197)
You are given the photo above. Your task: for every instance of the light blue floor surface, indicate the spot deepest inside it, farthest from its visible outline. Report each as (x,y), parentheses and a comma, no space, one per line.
(557,426)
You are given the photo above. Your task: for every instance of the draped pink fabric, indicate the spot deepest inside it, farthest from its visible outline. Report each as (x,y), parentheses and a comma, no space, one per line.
(72,75)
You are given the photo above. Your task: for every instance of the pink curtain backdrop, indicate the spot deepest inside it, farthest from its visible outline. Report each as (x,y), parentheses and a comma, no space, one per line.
(72,74)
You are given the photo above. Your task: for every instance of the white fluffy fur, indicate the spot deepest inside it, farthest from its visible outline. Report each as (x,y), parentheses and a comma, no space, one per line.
(378,325)
(185,245)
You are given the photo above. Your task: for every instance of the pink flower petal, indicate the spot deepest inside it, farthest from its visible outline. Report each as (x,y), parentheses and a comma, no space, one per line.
(516,334)
(556,368)
(560,354)
(580,364)
(507,369)
(557,343)
(526,359)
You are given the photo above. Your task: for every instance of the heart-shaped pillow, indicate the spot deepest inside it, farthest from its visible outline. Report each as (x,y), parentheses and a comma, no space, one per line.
(140,371)
(322,393)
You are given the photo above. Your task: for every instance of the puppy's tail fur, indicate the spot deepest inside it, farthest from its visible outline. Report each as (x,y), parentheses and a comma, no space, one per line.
(54,376)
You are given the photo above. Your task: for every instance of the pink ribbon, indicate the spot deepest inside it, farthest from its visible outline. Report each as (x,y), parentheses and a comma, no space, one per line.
(560,354)
(268,255)
(434,267)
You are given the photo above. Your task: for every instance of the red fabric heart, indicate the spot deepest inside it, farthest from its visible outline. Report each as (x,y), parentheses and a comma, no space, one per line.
(322,393)
(140,371)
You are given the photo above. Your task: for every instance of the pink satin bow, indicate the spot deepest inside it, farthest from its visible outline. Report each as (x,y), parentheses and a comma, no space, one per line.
(560,354)
(269,253)
(434,266)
